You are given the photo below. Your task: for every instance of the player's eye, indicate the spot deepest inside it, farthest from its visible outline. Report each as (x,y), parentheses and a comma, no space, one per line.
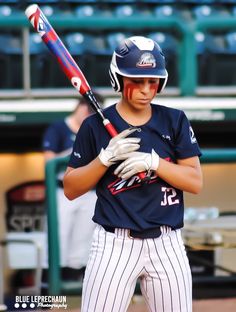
(152,81)
(137,81)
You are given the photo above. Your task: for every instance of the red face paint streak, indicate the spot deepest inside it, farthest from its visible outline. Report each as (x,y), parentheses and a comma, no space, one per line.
(154,87)
(130,87)
(128,90)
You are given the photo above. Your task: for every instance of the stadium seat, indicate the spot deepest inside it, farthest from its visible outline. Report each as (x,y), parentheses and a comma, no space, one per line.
(80,1)
(220,60)
(43,1)
(5,11)
(98,59)
(164,11)
(78,44)
(39,62)
(169,45)
(210,50)
(158,1)
(144,9)
(216,43)
(118,2)
(201,52)
(11,61)
(230,39)
(86,10)
(206,11)
(167,41)
(171,10)
(45,70)
(199,2)
(233,10)
(200,39)
(36,46)
(125,10)
(48,10)
(114,39)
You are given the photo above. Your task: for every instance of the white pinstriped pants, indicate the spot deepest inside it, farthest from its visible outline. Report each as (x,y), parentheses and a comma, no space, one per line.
(117,261)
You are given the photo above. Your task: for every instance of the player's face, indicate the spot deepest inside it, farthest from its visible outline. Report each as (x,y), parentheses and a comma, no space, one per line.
(139,92)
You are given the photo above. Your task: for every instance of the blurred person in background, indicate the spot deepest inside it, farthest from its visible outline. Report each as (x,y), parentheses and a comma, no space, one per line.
(74,217)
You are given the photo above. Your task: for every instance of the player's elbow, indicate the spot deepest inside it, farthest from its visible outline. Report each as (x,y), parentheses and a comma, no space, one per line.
(69,195)
(69,191)
(196,181)
(196,190)
(196,187)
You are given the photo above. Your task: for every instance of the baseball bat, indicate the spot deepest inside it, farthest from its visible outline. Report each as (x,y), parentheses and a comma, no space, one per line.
(67,63)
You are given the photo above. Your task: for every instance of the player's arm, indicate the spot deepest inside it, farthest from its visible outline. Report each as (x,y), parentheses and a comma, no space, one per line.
(78,181)
(186,175)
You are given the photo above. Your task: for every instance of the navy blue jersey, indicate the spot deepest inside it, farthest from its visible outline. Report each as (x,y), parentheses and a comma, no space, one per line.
(129,203)
(58,137)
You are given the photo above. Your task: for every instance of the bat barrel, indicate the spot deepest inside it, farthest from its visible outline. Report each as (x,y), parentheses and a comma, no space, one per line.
(55,45)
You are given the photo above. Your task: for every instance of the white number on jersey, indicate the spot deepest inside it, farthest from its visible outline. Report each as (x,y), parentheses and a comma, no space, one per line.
(169,196)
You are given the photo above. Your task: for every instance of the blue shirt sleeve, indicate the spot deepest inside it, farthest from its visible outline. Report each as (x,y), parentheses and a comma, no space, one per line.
(186,142)
(84,150)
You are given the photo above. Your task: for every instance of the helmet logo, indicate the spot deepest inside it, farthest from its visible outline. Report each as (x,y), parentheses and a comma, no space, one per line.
(146,60)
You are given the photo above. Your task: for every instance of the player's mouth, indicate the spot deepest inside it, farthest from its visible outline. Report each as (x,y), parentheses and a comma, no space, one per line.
(143,101)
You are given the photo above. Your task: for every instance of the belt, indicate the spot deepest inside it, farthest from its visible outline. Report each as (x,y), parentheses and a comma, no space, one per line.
(150,233)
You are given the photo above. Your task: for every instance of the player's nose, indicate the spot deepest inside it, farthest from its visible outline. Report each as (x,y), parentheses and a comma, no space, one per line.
(145,87)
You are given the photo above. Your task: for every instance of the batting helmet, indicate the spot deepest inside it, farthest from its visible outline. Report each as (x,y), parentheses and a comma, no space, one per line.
(137,57)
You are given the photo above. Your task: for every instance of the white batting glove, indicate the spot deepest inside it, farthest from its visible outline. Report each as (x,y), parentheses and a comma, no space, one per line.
(119,148)
(137,162)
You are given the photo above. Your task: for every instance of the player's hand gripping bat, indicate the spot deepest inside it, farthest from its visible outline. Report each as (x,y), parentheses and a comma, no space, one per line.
(67,63)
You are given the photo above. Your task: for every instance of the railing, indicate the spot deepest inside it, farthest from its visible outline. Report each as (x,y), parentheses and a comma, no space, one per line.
(56,284)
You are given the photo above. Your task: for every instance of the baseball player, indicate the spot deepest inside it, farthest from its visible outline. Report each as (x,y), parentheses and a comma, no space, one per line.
(138,232)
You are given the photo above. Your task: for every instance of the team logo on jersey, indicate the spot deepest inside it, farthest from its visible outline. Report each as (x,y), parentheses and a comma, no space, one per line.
(121,185)
(146,60)
(77,155)
(166,137)
(192,136)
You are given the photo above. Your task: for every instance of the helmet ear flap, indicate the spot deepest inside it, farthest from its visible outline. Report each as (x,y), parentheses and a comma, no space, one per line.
(162,84)
(120,79)
(116,81)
